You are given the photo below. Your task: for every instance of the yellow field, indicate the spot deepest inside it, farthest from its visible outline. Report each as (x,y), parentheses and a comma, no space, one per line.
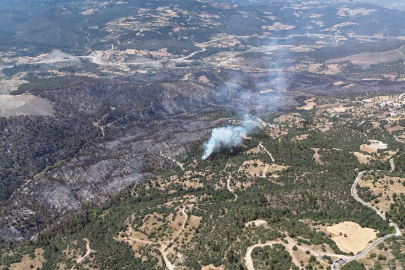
(356,239)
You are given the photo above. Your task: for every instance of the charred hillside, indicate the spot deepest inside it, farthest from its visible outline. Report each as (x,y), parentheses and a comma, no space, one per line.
(105,136)
(108,134)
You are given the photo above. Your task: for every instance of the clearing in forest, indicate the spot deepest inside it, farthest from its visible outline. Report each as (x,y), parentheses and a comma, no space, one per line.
(351,237)
(300,137)
(212,267)
(384,188)
(373,146)
(24,105)
(289,118)
(366,59)
(309,105)
(27,262)
(317,157)
(258,168)
(363,159)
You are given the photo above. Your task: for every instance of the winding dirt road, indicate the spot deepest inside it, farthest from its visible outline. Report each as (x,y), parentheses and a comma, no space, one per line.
(248,256)
(164,244)
(175,161)
(88,251)
(229,188)
(264,148)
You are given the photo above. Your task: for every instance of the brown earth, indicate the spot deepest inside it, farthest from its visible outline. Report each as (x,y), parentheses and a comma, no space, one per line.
(24,105)
(384,187)
(356,239)
(28,263)
(363,159)
(373,146)
(310,104)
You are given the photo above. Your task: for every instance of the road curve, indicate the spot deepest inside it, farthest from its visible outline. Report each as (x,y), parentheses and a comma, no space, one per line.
(288,247)
(337,263)
(342,258)
(392,165)
(248,256)
(357,198)
(88,251)
(229,188)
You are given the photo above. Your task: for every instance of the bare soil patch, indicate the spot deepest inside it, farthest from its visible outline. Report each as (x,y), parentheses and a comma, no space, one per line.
(338,109)
(258,222)
(194,221)
(376,125)
(324,127)
(347,86)
(317,157)
(255,150)
(373,146)
(310,104)
(378,99)
(363,159)
(253,167)
(28,263)
(351,237)
(212,267)
(387,187)
(24,105)
(276,168)
(188,180)
(7,86)
(152,222)
(257,168)
(366,59)
(289,118)
(300,137)
(391,128)
(203,79)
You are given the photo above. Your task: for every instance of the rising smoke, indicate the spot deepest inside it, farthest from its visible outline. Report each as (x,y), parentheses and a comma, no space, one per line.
(243,99)
(227,137)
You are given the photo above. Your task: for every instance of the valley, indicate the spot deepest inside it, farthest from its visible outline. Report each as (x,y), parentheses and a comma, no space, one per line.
(202,135)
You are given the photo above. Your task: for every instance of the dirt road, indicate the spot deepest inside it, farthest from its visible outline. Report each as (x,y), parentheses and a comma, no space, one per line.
(264,148)
(248,256)
(175,161)
(392,165)
(88,251)
(163,249)
(342,258)
(229,188)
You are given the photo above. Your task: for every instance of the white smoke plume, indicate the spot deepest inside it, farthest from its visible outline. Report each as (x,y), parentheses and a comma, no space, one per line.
(227,137)
(244,99)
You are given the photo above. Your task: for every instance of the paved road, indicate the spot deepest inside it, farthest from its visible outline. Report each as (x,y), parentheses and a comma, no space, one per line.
(338,262)
(356,197)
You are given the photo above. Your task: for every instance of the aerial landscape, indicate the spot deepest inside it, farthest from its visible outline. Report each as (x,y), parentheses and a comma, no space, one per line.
(202,134)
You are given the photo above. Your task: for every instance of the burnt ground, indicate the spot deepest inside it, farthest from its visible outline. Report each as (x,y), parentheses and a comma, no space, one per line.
(136,119)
